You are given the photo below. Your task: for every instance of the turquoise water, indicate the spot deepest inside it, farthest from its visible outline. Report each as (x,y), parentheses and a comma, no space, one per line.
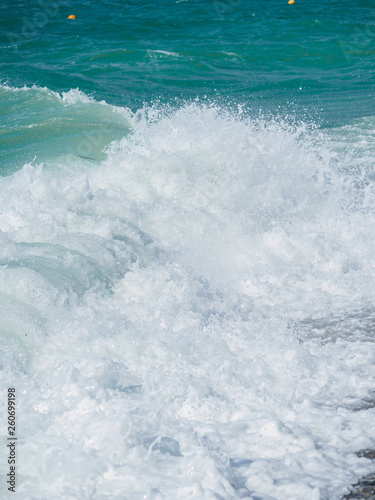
(312,60)
(187,234)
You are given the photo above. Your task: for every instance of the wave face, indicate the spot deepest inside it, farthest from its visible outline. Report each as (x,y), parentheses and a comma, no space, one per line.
(191,315)
(52,127)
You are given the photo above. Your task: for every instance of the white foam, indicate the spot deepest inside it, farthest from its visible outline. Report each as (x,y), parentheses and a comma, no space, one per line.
(163,52)
(76,95)
(198,311)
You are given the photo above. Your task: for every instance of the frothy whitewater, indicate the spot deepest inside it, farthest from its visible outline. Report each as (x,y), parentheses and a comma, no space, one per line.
(193,316)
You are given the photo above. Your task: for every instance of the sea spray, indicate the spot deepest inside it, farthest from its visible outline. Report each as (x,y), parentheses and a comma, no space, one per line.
(166,312)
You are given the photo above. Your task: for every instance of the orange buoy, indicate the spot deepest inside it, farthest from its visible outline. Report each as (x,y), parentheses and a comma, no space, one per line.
(74,17)
(291,2)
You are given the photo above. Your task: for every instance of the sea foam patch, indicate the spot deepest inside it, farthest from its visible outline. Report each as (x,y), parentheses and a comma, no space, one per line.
(168,314)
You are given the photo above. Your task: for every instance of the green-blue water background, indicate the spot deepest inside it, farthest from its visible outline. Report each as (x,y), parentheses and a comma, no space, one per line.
(311,60)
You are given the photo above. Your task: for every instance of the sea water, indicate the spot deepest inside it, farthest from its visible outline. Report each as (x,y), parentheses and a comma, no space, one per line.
(187,267)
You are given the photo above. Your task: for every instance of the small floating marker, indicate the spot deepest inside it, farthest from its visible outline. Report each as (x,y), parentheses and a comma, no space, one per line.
(291,2)
(72,16)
